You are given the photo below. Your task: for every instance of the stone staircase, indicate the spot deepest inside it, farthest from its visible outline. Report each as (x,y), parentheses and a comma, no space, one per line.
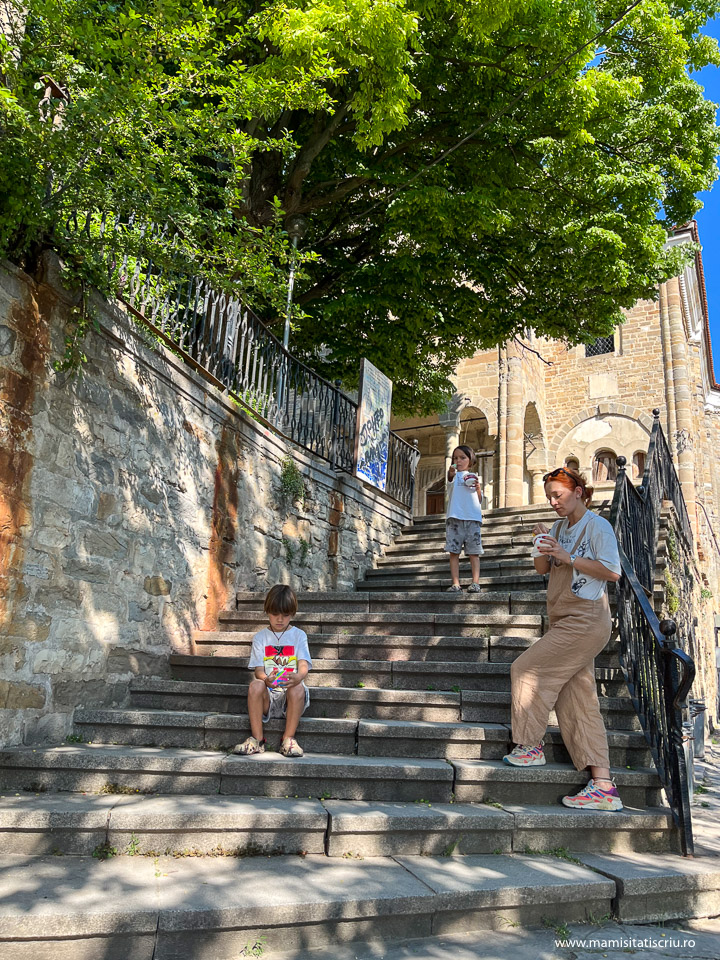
(146,839)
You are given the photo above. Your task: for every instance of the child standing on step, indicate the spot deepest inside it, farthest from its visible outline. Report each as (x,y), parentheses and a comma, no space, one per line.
(463,520)
(281,661)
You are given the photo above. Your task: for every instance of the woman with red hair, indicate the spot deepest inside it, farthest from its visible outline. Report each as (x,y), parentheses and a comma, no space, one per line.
(558,671)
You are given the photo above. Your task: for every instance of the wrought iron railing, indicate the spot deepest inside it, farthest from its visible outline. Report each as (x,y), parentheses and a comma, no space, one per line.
(221,337)
(658,673)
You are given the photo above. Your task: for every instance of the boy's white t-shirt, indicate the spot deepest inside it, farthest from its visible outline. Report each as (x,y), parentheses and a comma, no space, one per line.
(464,502)
(293,637)
(598,543)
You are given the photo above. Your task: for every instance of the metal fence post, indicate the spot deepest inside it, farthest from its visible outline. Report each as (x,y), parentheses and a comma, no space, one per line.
(335,422)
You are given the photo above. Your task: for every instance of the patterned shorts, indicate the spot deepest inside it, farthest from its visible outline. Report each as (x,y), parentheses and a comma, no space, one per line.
(464,533)
(278,703)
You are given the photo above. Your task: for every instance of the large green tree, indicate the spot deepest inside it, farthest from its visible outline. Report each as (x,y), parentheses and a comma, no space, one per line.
(467,169)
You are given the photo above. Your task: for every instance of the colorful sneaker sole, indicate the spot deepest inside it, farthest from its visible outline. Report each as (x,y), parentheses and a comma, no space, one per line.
(525,761)
(612,804)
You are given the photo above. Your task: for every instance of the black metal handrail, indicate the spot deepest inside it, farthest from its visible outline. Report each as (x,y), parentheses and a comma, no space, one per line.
(215,333)
(658,673)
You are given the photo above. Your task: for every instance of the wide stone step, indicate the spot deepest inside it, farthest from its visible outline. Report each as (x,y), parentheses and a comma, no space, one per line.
(139,825)
(430,549)
(489,706)
(461,620)
(206,730)
(496,649)
(359,828)
(366,703)
(338,605)
(490,781)
(344,737)
(440,583)
(107,825)
(382,647)
(437,565)
(662,887)
(223,908)
(120,769)
(109,769)
(490,560)
(382,674)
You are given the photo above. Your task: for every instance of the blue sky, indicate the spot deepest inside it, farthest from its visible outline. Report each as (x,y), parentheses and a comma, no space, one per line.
(709,217)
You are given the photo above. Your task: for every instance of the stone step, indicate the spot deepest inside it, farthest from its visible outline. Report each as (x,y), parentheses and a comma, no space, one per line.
(338,605)
(81,824)
(488,706)
(424,548)
(438,564)
(98,768)
(197,730)
(492,781)
(108,769)
(477,706)
(325,702)
(223,908)
(462,829)
(381,674)
(460,620)
(442,583)
(392,647)
(662,887)
(343,737)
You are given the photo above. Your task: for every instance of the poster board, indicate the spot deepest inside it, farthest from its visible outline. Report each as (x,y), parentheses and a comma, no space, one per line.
(372,433)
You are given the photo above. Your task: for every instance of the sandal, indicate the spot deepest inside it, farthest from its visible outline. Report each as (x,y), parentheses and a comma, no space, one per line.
(291,748)
(455,588)
(250,747)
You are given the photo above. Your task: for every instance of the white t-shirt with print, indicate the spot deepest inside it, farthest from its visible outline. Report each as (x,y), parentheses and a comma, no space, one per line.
(293,637)
(464,502)
(598,543)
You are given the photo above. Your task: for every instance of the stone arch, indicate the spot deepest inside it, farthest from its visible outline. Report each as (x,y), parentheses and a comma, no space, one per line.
(487,409)
(599,410)
(606,434)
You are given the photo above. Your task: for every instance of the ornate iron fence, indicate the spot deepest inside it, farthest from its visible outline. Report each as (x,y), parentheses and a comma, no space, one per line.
(222,338)
(658,673)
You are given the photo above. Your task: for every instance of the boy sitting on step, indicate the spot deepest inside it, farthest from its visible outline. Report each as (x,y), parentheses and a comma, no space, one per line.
(281,660)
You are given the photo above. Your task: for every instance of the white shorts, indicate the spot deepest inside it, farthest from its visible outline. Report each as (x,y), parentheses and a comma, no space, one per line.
(278,703)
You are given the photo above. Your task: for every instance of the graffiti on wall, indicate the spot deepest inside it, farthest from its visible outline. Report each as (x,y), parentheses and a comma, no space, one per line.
(373,426)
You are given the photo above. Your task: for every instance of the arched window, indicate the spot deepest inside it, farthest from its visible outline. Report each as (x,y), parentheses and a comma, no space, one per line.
(572,463)
(604,466)
(638,464)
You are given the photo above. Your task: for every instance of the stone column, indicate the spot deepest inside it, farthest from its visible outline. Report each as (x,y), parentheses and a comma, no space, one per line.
(500,467)
(537,490)
(515,455)
(671,421)
(682,391)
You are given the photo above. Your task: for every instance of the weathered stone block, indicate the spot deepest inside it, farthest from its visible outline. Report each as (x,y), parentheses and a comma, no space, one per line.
(157,586)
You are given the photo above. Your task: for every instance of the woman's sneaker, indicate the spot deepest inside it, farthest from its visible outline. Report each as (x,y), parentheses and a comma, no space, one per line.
(593,797)
(523,756)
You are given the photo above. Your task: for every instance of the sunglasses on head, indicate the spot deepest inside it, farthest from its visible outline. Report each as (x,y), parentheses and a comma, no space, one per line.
(557,472)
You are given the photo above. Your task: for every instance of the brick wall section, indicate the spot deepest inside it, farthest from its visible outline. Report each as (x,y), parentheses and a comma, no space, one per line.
(136,500)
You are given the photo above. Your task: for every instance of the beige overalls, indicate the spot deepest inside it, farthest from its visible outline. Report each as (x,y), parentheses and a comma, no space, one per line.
(558,671)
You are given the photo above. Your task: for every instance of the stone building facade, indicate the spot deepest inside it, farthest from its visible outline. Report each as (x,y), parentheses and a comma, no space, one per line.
(533,405)
(135,500)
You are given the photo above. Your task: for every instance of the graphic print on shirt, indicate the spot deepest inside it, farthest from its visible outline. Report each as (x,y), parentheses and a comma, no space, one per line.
(279,662)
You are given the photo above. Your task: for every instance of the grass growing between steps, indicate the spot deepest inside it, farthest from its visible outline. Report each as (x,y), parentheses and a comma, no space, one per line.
(560,853)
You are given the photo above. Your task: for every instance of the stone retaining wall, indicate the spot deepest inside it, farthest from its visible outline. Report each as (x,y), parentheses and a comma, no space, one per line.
(135,500)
